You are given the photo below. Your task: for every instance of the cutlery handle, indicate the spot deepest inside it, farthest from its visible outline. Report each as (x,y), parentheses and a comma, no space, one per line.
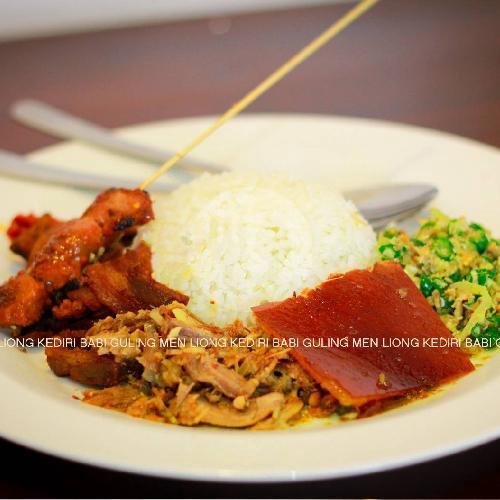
(378,205)
(60,124)
(392,200)
(13,165)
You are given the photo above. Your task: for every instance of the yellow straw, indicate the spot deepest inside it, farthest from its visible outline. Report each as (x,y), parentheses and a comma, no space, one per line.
(271,80)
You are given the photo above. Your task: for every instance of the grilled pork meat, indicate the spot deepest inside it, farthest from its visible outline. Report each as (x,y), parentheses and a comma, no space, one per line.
(58,252)
(117,210)
(117,286)
(65,253)
(78,303)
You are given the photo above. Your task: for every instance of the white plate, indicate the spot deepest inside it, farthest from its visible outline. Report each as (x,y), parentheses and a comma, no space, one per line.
(37,408)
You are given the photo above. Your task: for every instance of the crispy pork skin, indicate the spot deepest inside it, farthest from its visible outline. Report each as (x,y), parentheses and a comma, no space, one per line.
(381,305)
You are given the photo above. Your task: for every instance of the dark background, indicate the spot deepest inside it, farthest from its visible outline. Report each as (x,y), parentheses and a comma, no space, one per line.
(434,63)
(474,474)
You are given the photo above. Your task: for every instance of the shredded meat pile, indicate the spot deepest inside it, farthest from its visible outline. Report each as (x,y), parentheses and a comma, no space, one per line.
(165,365)
(80,269)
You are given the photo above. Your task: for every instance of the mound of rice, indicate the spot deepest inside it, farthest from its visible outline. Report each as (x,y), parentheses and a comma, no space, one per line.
(236,240)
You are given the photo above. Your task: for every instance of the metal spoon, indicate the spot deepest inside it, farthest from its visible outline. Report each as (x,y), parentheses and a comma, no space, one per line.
(379,205)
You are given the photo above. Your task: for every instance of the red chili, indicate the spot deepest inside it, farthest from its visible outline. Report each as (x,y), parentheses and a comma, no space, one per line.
(19,224)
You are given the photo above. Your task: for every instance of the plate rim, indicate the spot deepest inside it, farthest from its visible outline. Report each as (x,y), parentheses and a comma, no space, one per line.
(289,476)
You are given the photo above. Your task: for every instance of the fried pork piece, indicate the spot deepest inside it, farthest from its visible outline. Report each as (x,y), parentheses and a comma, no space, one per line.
(409,348)
(24,243)
(67,248)
(19,224)
(77,304)
(60,259)
(21,299)
(86,367)
(126,284)
(122,284)
(83,366)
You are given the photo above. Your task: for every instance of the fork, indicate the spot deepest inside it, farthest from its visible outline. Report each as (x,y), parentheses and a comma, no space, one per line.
(63,125)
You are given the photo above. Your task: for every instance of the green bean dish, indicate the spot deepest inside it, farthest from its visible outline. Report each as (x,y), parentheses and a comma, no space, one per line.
(455,263)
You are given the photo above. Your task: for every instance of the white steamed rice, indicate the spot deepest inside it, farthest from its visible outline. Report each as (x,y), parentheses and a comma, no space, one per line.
(236,240)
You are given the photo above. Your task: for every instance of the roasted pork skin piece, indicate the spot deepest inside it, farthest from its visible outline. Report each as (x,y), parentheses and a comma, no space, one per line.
(381,304)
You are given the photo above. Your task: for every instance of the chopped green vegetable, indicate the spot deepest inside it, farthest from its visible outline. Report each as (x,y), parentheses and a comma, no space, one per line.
(482,276)
(427,285)
(445,305)
(455,263)
(476,331)
(443,248)
(495,320)
(485,302)
(493,335)
(440,283)
(456,227)
(480,241)
(388,252)
(490,333)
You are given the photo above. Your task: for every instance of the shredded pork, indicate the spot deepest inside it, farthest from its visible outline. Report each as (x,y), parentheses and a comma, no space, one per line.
(175,369)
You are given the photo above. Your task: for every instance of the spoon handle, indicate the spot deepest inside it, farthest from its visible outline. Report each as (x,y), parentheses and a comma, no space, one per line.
(63,125)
